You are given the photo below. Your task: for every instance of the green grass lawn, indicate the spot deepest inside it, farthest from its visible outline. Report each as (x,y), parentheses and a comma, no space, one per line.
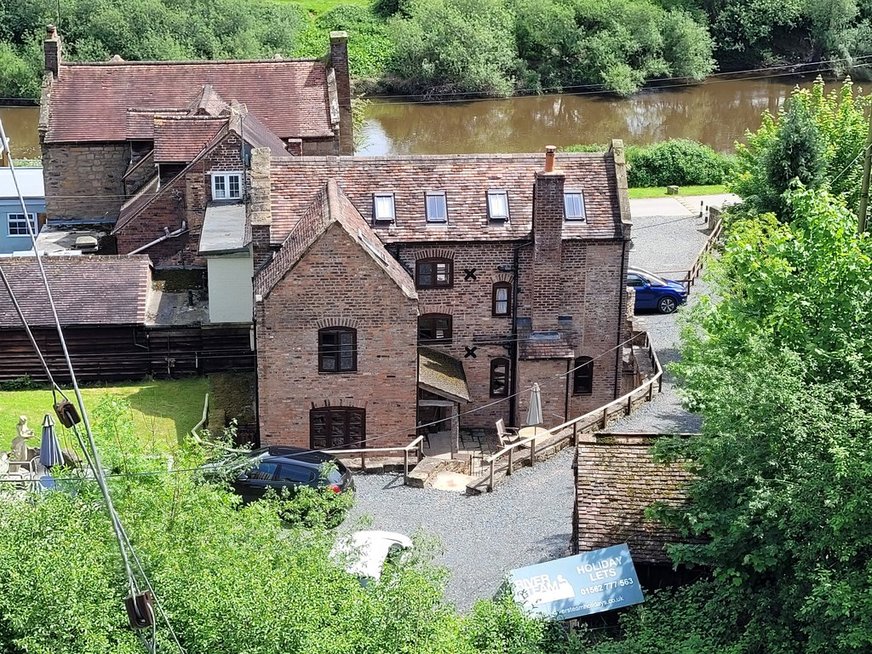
(162,411)
(660,191)
(319,7)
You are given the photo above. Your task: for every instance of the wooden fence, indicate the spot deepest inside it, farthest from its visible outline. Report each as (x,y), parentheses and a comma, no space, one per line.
(693,273)
(416,446)
(517,454)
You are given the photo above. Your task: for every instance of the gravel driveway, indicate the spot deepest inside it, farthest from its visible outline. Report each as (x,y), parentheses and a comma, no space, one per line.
(528,518)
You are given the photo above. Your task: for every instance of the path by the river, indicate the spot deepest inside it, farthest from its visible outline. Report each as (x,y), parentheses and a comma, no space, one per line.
(528,518)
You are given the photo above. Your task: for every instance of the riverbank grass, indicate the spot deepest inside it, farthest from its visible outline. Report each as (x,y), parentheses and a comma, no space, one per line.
(660,191)
(162,411)
(318,7)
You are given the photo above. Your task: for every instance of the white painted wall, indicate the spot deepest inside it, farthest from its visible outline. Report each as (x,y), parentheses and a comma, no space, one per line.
(230,290)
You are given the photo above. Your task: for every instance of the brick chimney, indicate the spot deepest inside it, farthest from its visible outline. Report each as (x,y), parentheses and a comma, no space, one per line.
(52,49)
(260,206)
(339,63)
(547,244)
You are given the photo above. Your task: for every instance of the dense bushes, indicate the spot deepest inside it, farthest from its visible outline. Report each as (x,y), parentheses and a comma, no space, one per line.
(495,47)
(676,161)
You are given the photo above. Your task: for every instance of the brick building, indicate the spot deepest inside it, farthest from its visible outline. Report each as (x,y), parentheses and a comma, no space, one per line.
(102,124)
(506,270)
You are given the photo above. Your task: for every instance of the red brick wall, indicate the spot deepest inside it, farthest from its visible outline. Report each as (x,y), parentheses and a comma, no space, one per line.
(183,199)
(589,290)
(336,283)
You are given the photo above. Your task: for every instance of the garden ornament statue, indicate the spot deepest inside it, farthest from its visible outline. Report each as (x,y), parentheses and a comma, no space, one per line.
(19,443)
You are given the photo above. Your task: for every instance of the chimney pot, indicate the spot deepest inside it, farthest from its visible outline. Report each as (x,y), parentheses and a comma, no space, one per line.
(550,151)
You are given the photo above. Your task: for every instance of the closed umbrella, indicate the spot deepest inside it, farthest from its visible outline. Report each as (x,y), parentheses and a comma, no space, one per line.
(534,411)
(50,448)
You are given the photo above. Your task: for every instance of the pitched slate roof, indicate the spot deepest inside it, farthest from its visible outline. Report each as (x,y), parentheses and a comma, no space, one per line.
(465,179)
(89,102)
(328,207)
(616,480)
(441,373)
(87,290)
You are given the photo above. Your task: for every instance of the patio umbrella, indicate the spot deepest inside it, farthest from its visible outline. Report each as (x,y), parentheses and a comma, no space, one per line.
(534,410)
(50,448)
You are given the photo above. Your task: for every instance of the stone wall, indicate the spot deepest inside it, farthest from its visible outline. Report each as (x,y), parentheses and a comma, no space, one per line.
(84,181)
(337,284)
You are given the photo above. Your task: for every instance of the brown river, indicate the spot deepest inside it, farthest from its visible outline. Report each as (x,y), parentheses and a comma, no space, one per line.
(716,112)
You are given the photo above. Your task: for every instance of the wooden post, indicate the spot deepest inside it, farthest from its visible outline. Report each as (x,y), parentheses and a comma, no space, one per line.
(606,417)
(511,453)
(575,434)
(650,390)
(490,483)
(532,452)
(406,467)
(630,404)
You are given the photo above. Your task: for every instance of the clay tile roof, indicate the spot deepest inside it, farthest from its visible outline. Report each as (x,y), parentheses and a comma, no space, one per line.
(465,179)
(179,139)
(89,102)
(330,206)
(87,290)
(207,102)
(441,373)
(617,479)
(139,123)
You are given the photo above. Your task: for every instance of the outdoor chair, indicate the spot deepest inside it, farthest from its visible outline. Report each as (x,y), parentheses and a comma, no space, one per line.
(507,435)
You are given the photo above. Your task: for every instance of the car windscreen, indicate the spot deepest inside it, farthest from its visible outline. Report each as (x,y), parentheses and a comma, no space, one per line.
(650,277)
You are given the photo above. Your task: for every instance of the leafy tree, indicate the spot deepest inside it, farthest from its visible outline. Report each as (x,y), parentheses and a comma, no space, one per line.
(448,46)
(796,155)
(232,578)
(841,130)
(780,370)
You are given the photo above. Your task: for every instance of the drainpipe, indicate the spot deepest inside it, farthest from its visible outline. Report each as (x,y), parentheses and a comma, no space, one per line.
(167,235)
(513,387)
(622,294)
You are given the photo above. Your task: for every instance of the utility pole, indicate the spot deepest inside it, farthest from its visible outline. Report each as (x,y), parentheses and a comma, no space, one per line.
(864,186)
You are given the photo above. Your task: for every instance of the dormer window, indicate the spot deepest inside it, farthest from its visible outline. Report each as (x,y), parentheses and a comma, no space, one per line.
(226,186)
(437,209)
(498,205)
(383,208)
(573,205)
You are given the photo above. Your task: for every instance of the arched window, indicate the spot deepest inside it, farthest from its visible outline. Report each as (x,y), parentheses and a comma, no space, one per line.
(501,300)
(337,349)
(499,377)
(434,327)
(582,376)
(434,273)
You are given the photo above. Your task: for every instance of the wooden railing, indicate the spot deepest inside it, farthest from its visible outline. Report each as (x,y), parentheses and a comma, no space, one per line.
(693,273)
(589,422)
(416,446)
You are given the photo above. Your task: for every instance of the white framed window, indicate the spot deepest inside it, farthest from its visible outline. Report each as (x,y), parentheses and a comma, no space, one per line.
(573,205)
(383,210)
(17,226)
(437,209)
(226,186)
(497,205)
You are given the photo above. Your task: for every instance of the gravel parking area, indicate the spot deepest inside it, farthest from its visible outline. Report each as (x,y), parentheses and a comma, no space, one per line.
(528,518)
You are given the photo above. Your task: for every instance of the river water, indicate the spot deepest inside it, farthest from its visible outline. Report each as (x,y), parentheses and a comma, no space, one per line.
(716,112)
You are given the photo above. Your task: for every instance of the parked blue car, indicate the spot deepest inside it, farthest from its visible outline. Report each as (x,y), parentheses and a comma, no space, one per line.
(655,293)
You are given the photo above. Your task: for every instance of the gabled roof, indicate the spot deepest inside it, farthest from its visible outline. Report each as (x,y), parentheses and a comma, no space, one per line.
(238,121)
(330,206)
(617,479)
(87,290)
(89,102)
(465,179)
